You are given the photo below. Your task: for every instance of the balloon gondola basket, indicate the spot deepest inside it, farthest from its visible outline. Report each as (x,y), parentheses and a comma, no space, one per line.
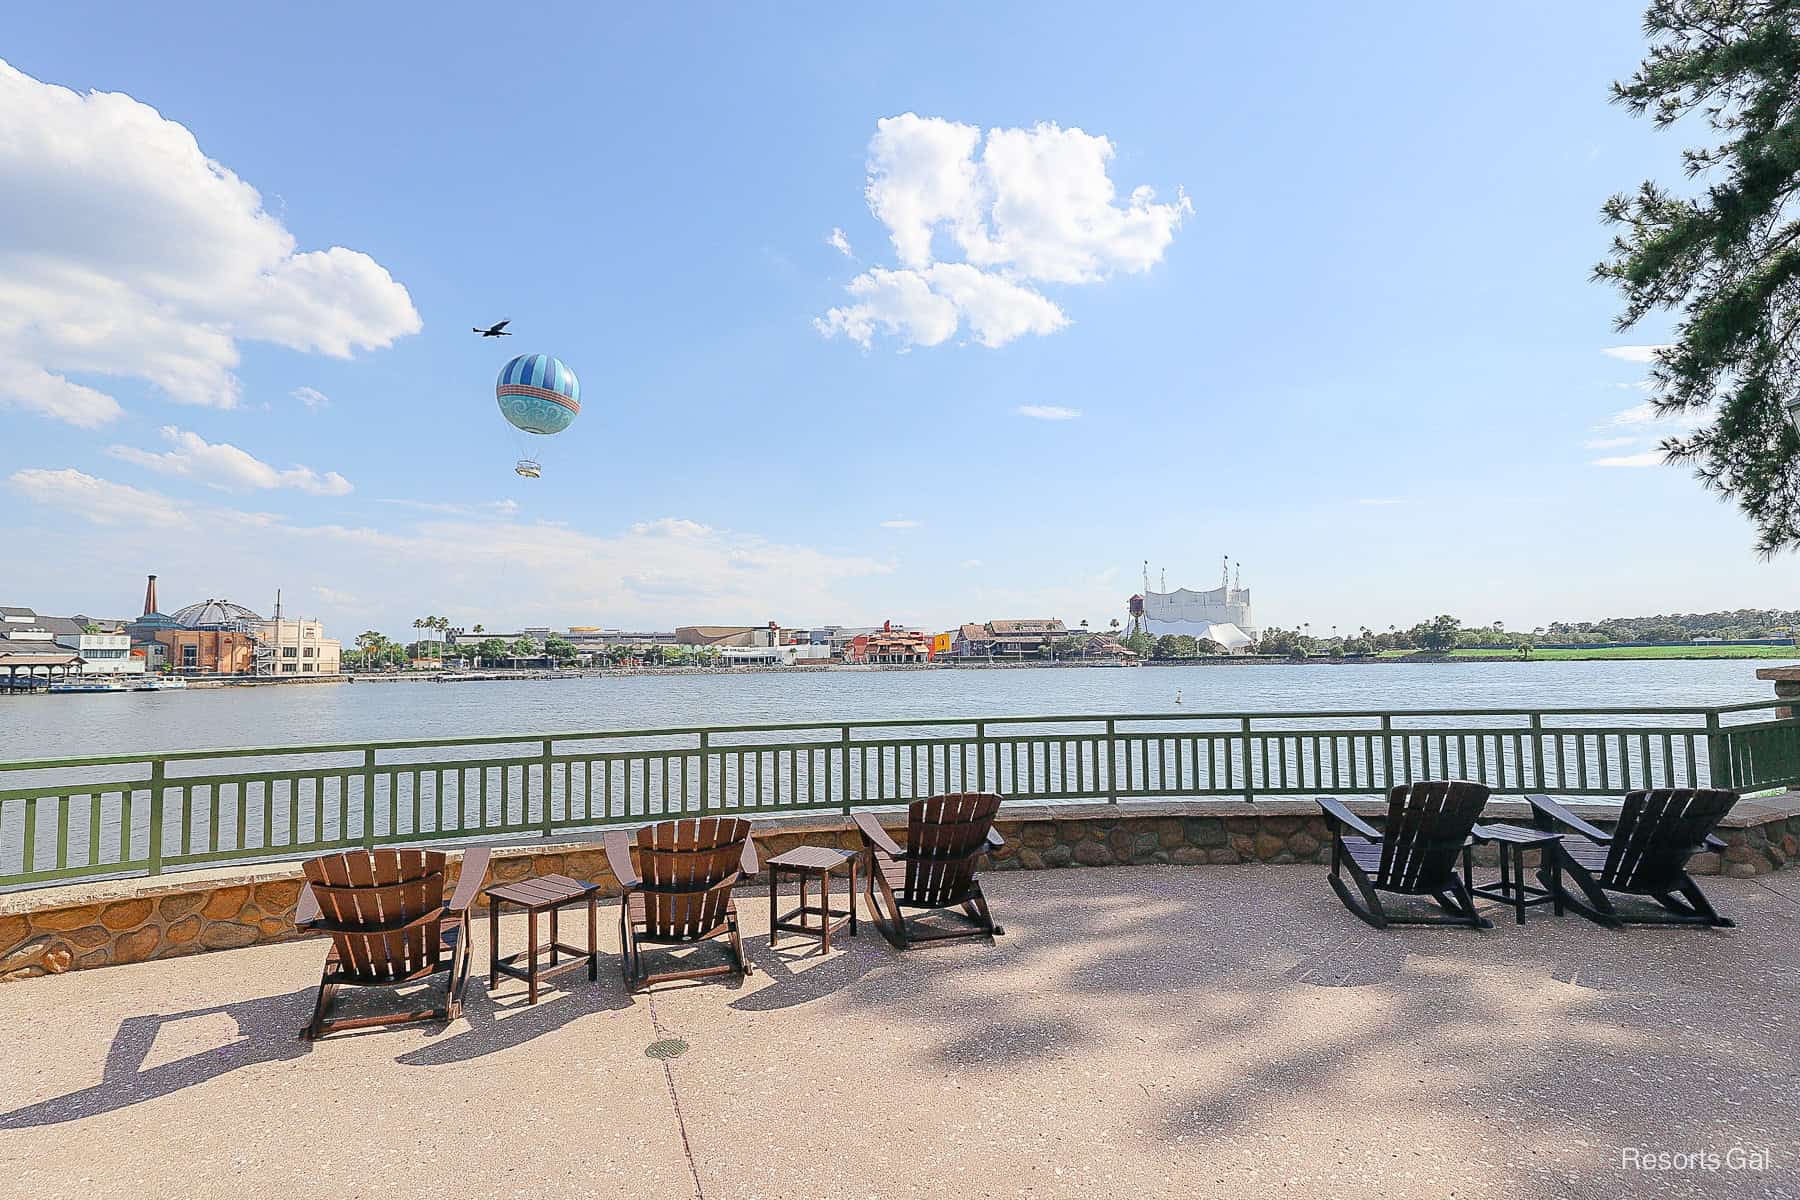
(527,468)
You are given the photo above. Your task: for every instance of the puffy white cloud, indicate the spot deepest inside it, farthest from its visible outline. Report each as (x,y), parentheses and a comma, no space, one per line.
(125,251)
(97,500)
(838,240)
(1025,207)
(1047,412)
(222,465)
(498,571)
(1635,354)
(313,398)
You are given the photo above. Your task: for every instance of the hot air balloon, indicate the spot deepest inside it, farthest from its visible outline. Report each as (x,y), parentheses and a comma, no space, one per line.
(538,395)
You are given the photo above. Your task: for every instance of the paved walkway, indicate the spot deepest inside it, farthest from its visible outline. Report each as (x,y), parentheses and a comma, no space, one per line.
(1145,1031)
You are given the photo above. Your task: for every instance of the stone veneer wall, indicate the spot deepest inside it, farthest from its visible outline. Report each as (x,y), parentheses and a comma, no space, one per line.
(72,927)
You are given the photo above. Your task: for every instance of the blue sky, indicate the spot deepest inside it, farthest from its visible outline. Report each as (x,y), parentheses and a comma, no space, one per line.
(1350,341)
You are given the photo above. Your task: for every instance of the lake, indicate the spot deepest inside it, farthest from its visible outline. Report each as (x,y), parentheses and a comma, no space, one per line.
(49,726)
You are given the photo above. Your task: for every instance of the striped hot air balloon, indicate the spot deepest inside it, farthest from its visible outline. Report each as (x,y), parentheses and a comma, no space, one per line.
(538,394)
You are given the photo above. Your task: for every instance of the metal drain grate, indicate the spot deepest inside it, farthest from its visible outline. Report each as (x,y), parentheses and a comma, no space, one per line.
(666,1048)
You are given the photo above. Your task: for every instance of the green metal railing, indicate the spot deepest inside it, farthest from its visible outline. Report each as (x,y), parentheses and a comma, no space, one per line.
(71,818)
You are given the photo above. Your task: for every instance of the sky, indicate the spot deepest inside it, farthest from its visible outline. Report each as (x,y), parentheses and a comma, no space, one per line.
(942,314)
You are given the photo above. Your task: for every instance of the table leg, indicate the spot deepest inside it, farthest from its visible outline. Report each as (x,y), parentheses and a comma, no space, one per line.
(774,890)
(824,912)
(1518,871)
(1554,854)
(531,970)
(593,936)
(555,933)
(493,943)
(853,862)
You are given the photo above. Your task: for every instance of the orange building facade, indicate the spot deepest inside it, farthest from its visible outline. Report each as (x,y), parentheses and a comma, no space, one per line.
(209,651)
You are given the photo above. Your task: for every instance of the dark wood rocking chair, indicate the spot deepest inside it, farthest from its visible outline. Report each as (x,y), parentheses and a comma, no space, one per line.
(1646,855)
(945,835)
(390,928)
(1428,826)
(678,893)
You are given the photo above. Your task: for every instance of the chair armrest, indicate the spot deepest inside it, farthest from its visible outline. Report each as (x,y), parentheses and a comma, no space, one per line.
(994,840)
(306,911)
(875,837)
(1714,842)
(1545,806)
(470,878)
(1338,812)
(748,863)
(618,856)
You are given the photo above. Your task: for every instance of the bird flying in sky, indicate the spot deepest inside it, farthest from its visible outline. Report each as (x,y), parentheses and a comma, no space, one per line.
(496,330)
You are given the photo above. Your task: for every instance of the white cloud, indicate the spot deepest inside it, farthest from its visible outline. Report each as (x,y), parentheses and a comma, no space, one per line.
(503,508)
(1636,354)
(126,252)
(1047,412)
(838,240)
(97,500)
(1029,206)
(334,597)
(1610,443)
(313,398)
(1649,458)
(223,465)
(901,523)
(500,572)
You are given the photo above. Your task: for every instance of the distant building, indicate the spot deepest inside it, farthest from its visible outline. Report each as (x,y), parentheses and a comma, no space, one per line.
(1016,639)
(1221,615)
(722,636)
(781,656)
(297,647)
(890,645)
(99,646)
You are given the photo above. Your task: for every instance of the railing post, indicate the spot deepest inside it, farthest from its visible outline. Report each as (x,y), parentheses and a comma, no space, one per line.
(1537,752)
(1112,762)
(1249,767)
(368,799)
(545,769)
(1387,753)
(844,769)
(981,784)
(1718,754)
(705,772)
(156,816)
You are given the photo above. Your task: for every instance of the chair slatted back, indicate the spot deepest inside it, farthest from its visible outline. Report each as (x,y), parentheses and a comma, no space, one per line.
(689,868)
(384,909)
(944,837)
(1658,831)
(1427,824)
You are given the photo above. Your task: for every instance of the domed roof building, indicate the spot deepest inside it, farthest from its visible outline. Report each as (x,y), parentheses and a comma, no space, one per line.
(215,614)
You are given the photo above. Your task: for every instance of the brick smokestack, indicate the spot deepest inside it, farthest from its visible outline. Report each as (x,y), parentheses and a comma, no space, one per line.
(150,596)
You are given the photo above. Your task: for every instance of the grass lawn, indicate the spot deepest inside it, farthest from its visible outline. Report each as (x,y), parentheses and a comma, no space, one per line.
(1787,652)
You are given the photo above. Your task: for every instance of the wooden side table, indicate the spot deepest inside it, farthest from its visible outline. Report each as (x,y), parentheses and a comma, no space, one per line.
(549,893)
(1511,888)
(811,862)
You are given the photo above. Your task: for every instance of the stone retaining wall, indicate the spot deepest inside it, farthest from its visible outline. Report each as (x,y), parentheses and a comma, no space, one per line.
(76,926)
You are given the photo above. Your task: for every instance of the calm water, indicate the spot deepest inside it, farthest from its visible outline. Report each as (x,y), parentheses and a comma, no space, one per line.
(49,726)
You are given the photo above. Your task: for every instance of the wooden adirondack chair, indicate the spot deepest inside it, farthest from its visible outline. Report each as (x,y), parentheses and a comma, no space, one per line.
(678,893)
(945,835)
(1646,855)
(1428,825)
(389,927)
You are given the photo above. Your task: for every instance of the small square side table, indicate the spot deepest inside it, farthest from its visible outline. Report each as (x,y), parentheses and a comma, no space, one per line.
(1511,888)
(811,862)
(548,893)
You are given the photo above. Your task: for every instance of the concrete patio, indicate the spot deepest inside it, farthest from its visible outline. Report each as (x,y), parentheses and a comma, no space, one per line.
(1140,1031)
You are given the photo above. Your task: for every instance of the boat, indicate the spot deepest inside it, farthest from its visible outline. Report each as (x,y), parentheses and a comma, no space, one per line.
(87,685)
(159,683)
